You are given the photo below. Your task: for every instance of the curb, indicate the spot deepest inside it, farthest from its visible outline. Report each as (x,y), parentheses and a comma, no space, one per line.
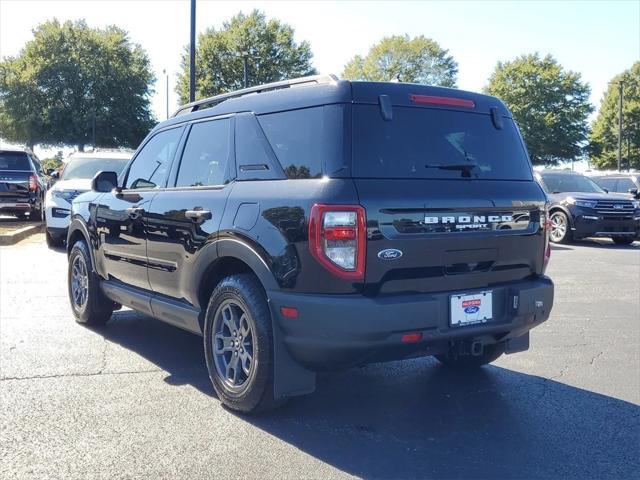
(20,234)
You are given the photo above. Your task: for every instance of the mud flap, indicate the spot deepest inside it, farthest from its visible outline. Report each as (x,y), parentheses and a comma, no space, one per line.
(518,344)
(290,379)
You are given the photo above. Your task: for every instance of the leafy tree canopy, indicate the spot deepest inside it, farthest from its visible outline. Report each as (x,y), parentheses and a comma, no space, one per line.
(70,78)
(268,46)
(603,147)
(414,60)
(550,104)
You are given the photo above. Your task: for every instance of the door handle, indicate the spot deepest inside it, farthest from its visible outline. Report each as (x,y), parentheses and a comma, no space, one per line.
(198,215)
(135,212)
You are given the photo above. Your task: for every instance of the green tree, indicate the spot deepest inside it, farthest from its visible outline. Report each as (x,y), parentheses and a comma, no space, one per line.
(267,45)
(71,80)
(52,163)
(603,145)
(550,104)
(414,60)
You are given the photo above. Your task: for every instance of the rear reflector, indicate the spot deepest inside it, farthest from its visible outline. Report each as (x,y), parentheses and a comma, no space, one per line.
(289,312)
(413,337)
(449,101)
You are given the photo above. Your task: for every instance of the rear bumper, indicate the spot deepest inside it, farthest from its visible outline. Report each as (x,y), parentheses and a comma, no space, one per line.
(339,331)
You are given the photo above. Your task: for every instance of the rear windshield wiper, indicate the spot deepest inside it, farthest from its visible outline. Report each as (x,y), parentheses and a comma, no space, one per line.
(465,168)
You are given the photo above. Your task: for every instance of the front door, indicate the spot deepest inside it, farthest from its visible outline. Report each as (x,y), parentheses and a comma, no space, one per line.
(185,217)
(120,216)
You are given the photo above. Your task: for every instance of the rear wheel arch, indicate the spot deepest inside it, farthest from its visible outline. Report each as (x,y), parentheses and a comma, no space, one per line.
(232,257)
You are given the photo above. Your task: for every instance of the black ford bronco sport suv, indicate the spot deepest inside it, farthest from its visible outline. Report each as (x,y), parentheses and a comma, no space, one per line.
(318,224)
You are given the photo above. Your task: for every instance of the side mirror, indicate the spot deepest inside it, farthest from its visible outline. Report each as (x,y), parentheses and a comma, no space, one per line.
(104,182)
(633,191)
(54,174)
(605,189)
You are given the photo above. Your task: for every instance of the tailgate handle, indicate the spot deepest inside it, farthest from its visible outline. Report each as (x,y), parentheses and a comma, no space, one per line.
(471,267)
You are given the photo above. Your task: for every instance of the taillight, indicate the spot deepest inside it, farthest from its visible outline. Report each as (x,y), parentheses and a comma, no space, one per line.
(33,183)
(337,239)
(545,223)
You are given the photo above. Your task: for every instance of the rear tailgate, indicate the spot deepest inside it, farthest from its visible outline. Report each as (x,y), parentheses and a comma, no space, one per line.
(438,235)
(449,194)
(14,186)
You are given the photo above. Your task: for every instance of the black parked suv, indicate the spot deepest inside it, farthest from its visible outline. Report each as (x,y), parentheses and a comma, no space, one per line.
(319,224)
(580,208)
(23,184)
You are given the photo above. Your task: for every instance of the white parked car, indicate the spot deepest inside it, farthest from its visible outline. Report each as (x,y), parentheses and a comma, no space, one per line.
(75,179)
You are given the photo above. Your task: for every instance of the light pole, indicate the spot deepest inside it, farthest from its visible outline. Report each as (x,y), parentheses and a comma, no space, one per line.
(166,76)
(620,86)
(245,74)
(192,54)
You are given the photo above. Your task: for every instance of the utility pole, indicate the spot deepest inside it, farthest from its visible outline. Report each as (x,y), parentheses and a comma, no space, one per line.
(192,54)
(620,84)
(167,90)
(245,76)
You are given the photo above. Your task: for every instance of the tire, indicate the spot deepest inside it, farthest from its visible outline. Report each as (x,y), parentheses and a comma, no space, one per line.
(489,354)
(623,240)
(560,231)
(88,304)
(238,330)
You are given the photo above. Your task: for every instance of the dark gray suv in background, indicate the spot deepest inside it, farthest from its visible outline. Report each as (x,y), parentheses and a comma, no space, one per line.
(581,208)
(319,224)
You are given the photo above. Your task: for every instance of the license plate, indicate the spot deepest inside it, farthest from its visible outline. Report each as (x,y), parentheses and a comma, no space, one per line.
(471,308)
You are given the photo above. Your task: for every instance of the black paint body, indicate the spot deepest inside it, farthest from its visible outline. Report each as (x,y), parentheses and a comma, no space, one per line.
(161,262)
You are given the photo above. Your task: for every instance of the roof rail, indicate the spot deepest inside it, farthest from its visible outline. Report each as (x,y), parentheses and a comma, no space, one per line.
(216,100)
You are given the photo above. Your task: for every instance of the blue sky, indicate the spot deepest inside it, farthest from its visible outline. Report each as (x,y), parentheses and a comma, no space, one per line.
(596,39)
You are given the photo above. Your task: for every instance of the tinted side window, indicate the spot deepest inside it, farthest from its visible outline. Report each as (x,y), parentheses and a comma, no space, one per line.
(206,155)
(624,184)
(297,140)
(151,166)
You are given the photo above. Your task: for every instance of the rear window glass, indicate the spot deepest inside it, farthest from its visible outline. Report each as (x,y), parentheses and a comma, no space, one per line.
(307,142)
(14,161)
(435,143)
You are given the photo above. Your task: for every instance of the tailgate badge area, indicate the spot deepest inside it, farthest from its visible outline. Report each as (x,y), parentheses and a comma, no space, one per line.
(390,254)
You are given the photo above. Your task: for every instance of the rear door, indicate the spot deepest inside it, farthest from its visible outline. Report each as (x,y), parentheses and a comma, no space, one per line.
(120,227)
(183,218)
(450,199)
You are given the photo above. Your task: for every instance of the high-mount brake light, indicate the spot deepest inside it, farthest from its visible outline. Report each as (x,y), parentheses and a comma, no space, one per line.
(447,101)
(337,239)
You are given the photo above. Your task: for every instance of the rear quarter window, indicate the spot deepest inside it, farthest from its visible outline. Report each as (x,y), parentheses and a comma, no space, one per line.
(307,142)
(418,140)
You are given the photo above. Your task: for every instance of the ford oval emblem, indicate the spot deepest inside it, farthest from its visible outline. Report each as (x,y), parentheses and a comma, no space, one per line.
(472,309)
(389,254)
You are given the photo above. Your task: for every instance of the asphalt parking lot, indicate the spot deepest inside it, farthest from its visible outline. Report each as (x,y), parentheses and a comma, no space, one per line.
(133,400)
